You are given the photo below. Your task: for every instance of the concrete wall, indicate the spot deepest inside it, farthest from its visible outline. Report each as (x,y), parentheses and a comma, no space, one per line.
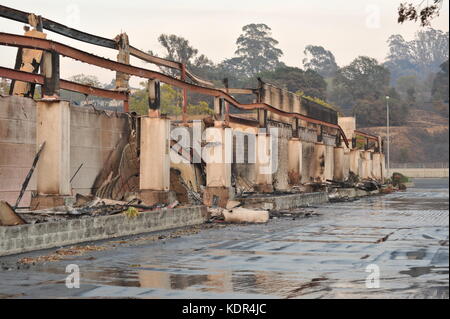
(20,239)
(285,201)
(94,135)
(422,172)
(17,146)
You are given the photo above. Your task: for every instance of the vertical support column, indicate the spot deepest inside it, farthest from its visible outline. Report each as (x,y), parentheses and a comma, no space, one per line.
(318,165)
(154,98)
(365,164)
(219,108)
(354,161)
(262,118)
(185,97)
(263,165)
(50,71)
(376,166)
(123,45)
(218,165)
(154,170)
(53,169)
(383,167)
(329,162)
(123,79)
(295,161)
(346,163)
(27,60)
(339,164)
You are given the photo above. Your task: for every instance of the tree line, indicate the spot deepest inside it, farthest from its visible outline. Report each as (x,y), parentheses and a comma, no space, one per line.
(414,75)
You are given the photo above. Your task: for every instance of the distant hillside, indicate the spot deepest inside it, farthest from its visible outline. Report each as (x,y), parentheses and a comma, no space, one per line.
(424,138)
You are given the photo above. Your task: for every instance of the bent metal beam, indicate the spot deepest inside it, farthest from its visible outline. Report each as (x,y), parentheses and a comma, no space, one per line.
(65,50)
(66,85)
(61,29)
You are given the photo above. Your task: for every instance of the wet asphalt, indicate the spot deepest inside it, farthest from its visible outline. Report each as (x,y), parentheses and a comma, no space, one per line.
(392,246)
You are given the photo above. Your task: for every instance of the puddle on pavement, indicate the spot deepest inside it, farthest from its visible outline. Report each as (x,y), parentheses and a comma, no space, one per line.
(276,260)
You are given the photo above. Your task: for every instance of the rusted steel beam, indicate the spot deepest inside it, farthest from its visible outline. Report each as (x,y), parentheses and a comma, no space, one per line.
(367,135)
(244,121)
(35,43)
(197,80)
(239,91)
(66,85)
(56,27)
(61,29)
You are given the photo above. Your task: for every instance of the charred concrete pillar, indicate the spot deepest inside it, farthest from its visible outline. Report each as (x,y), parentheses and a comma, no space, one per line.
(123,46)
(28,60)
(218,157)
(264,164)
(318,165)
(383,167)
(365,164)
(329,162)
(154,172)
(376,166)
(307,160)
(354,159)
(339,164)
(346,163)
(53,169)
(295,161)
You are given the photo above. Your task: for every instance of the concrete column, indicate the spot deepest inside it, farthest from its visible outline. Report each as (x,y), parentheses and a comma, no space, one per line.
(154,169)
(217,106)
(307,161)
(339,165)
(354,161)
(263,165)
(365,164)
(383,167)
(329,162)
(53,169)
(218,159)
(218,173)
(318,165)
(295,161)
(376,167)
(346,163)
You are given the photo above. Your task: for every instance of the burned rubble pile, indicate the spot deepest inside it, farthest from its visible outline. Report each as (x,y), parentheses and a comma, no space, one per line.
(83,207)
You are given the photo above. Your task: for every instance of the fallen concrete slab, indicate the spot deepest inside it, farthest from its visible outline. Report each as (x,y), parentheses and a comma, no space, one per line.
(288,201)
(243,215)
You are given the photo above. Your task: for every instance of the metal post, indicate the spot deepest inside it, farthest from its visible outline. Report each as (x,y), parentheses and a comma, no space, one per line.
(388,138)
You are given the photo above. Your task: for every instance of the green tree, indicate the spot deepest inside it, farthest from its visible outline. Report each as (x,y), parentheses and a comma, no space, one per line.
(320,60)
(440,91)
(257,49)
(420,57)
(411,12)
(440,84)
(78,98)
(294,79)
(363,78)
(170,102)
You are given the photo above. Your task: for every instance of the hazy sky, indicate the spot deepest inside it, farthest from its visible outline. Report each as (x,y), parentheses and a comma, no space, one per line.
(348,28)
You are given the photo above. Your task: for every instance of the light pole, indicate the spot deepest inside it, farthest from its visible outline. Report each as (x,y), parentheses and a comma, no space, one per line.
(388,138)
